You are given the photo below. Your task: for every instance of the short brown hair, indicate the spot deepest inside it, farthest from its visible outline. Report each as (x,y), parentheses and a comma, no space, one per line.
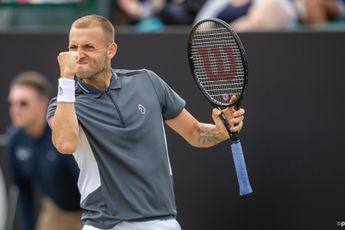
(34,80)
(96,21)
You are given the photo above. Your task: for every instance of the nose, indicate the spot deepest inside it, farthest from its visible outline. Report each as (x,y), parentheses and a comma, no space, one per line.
(81,53)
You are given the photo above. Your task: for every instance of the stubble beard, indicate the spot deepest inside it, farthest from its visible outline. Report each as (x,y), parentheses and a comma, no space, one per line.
(92,73)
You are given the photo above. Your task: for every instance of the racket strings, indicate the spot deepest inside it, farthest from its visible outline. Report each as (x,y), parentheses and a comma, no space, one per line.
(217,61)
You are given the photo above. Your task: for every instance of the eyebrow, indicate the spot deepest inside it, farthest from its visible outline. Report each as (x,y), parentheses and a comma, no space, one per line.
(82,45)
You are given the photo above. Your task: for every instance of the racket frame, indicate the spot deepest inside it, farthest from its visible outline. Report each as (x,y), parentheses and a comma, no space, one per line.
(243,57)
(236,148)
(215,103)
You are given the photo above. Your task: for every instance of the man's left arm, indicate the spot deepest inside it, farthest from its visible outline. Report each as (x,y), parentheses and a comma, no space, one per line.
(205,135)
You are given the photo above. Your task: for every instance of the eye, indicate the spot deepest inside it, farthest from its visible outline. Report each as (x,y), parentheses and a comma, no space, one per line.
(89,47)
(73,48)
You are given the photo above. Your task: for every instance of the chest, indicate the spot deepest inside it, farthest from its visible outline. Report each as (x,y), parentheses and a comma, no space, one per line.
(31,159)
(130,107)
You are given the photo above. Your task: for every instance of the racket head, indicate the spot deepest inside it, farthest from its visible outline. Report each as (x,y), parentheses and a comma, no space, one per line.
(218,61)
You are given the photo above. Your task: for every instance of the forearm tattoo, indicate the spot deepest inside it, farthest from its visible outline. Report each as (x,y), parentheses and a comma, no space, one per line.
(209,134)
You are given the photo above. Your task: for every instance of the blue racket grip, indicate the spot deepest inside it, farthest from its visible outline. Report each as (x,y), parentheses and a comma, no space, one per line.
(241,170)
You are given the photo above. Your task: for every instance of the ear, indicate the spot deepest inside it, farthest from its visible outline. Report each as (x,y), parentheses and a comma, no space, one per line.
(112,50)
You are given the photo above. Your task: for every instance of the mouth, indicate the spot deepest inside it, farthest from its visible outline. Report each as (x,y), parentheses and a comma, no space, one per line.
(82,61)
(82,65)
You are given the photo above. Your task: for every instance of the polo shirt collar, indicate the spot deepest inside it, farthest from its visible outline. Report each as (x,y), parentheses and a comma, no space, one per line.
(115,83)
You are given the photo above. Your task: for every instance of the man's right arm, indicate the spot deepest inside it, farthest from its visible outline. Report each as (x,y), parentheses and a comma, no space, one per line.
(65,129)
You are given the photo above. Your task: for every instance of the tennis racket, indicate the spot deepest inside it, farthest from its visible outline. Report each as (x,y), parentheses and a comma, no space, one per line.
(219,67)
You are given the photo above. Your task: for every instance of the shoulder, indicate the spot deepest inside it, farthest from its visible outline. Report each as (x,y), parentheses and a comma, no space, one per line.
(125,73)
(14,137)
(12,133)
(139,76)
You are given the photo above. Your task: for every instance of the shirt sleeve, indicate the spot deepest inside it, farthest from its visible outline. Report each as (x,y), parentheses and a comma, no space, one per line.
(171,103)
(51,111)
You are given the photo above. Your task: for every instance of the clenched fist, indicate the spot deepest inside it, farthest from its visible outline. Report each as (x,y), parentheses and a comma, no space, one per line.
(68,64)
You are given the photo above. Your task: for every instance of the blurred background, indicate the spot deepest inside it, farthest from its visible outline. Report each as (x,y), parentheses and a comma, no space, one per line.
(294,130)
(156,15)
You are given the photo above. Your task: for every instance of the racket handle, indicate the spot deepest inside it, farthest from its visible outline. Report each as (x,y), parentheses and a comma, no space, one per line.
(241,170)
(233,135)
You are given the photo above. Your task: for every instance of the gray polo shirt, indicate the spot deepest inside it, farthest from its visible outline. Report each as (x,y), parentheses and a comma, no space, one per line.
(125,173)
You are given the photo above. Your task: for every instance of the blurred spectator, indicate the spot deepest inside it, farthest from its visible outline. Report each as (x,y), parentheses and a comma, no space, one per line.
(180,12)
(316,12)
(211,9)
(138,10)
(141,13)
(265,15)
(34,163)
(341,4)
(251,15)
(157,13)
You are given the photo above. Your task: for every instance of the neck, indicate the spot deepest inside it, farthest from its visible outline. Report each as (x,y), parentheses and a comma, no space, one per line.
(100,81)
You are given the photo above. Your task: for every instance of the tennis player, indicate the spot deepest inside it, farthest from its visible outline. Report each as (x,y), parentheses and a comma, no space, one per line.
(111,120)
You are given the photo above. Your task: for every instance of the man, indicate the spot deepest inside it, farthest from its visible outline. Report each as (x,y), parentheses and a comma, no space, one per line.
(35,165)
(252,15)
(112,122)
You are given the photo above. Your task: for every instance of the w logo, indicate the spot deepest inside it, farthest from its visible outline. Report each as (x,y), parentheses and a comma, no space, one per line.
(219,63)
